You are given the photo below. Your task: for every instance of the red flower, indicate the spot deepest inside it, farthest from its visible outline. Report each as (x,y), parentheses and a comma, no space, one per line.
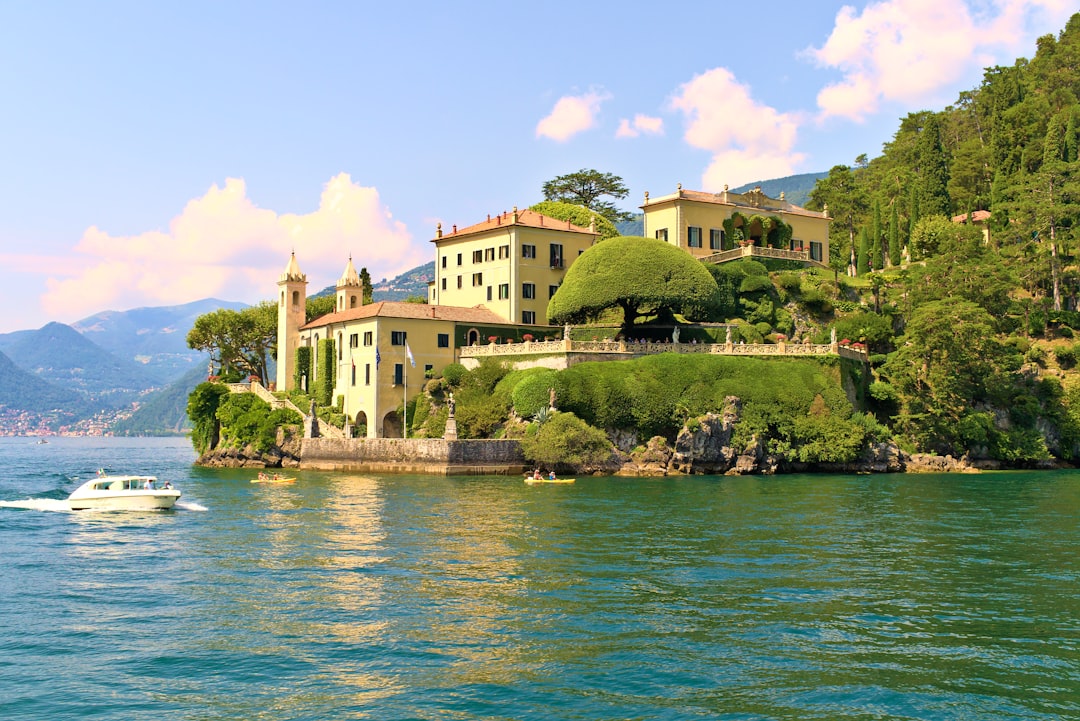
(845,342)
(527,336)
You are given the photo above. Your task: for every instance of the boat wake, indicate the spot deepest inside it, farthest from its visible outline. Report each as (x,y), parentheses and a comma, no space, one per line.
(39,504)
(61,505)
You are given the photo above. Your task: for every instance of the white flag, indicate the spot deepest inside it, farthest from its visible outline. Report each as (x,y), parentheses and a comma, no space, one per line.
(408,354)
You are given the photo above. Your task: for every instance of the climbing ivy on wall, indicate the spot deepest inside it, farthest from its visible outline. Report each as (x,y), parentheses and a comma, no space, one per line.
(303,366)
(324,386)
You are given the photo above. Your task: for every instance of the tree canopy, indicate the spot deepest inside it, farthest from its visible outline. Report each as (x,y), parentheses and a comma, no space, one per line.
(635,274)
(587,187)
(238,341)
(578,215)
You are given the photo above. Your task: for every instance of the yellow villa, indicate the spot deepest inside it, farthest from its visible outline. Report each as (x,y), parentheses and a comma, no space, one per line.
(511,264)
(726,226)
(493,280)
(382,352)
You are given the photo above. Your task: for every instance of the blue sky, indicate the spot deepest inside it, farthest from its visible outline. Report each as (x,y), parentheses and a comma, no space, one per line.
(158,153)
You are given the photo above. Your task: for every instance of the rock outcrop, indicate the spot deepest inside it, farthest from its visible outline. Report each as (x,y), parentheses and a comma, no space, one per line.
(285,453)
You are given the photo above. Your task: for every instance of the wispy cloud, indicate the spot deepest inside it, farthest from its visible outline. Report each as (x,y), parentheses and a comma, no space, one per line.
(641,124)
(571,115)
(748,140)
(910,51)
(223,245)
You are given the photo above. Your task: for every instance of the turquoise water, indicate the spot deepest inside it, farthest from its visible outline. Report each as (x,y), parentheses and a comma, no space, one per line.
(347,596)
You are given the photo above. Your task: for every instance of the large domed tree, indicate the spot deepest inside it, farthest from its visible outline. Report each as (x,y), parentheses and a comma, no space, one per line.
(640,275)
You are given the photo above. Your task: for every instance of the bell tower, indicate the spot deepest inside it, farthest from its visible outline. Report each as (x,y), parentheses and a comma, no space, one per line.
(350,292)
(292,300)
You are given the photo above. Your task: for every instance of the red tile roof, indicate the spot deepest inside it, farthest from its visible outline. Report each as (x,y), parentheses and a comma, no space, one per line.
(764,204)
(416,311)
(528,218)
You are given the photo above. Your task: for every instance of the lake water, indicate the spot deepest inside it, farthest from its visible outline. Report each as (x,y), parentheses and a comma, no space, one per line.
(348,596)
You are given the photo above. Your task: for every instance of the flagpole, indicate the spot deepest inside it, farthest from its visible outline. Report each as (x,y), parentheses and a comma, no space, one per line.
(405,404)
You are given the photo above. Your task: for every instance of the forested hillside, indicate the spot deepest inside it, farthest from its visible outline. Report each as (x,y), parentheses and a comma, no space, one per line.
(963,236)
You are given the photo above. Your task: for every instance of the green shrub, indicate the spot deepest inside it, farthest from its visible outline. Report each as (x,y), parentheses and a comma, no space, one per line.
(1036,355)
(566,441)
(1066,357)
(790,282)
(453,373)
(533,392)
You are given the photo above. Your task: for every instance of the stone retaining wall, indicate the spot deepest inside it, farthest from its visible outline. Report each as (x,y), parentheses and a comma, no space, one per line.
(435,456)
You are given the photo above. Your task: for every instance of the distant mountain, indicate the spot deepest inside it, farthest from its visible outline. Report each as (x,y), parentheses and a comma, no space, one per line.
(21,390)
(164,412)
(155,338)
(60,355)
(796,188)
(410,283)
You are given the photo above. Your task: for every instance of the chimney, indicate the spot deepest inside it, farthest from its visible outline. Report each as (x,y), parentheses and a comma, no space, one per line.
(515,217)
(438,230)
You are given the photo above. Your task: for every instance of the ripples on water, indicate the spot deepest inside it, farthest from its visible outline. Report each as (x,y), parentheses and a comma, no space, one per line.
(352,597)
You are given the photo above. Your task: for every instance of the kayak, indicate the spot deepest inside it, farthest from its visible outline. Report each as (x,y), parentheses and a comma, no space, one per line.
(550,480)
(273,480)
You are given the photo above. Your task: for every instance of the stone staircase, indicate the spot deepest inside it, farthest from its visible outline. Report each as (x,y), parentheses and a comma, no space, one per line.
(325,430)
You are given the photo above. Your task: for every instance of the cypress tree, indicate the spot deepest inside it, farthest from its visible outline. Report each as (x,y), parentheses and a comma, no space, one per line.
(894,238)
(876,259)
(863,263)
(934,169)
(1072,136)
(365,283)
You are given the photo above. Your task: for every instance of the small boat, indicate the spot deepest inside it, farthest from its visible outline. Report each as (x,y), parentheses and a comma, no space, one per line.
(275,478)
(533,479)
(41,441)
(123,493)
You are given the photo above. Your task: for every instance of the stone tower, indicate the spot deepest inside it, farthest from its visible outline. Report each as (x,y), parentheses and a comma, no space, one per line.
(292,300)
(350,291)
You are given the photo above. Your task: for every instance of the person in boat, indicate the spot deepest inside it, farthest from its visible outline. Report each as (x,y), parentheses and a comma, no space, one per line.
(536,475)
(262,476)
(551,476)
(149,485)
(167,485)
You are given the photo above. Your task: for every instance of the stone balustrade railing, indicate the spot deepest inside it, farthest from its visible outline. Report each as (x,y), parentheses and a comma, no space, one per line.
(752,251)
(649,348)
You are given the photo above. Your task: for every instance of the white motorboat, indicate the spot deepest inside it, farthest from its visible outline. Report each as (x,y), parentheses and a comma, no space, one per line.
(123,493)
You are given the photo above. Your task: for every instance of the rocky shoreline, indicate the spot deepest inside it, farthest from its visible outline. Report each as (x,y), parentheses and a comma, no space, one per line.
(704,450)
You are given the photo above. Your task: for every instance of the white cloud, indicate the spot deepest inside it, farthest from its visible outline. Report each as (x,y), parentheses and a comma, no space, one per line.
(909,51)
(223,245)
(639,125)
(571,115)
(748,140)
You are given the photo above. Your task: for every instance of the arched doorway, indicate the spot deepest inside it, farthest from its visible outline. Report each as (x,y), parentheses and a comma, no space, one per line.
(473,337)
(391,425)
(360,429)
